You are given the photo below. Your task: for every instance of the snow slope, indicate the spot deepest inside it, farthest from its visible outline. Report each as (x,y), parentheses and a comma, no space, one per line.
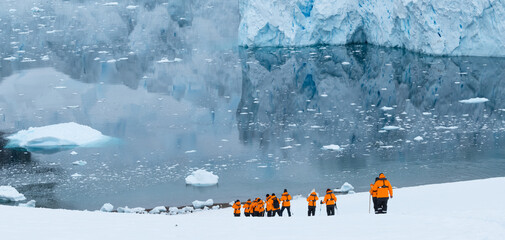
(447,27)
(462,210)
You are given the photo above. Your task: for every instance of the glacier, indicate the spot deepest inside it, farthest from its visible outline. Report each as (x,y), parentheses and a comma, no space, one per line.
(442,27)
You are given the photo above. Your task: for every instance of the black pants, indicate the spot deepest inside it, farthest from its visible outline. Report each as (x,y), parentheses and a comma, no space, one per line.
(237,214)
(255,214)
(330,210)
(374,200)
(269,213)
(247,214)
(312,210)
(382,205)
(278,211)
(282,210)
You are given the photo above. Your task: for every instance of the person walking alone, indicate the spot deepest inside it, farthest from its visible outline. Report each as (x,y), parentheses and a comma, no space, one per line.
(330,200)
(286,204)
(312,200)
(384,191)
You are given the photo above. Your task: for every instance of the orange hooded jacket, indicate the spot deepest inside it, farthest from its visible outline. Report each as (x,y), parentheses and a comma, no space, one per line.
(312,199)
(372,192)
(383,187)
(286,198)
(236,207)
(271,203)
(260,206)
(330,198)
(247,206)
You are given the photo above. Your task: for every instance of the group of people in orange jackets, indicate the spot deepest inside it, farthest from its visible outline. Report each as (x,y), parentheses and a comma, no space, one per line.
(329,199)
(380,192)
(272,206)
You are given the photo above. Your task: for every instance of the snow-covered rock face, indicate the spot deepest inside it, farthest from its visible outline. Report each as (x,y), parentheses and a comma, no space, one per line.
(445,27)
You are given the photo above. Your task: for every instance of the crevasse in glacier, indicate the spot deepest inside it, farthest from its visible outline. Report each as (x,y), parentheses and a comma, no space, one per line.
(442,27)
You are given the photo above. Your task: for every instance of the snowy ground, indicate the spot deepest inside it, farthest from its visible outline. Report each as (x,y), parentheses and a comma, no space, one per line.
(462,210)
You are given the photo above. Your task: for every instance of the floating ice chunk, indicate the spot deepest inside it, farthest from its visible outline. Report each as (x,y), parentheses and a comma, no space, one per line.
(286,147)
(11,58)
(158,210)
(76,175)
(386,147)
(346,63)
(332,147)
(73,153)
(474,100)
(63,135)
(426,113)
(166,60)
(345,188)
(111,4)
(391,128)
(386,108)
(446,128)
(80,163)
(29,204)
(131,7)
(190,151)
(418,138)
(201,204)
(10,194)
(202,178)
(107,208)
(215,207)
(44,58)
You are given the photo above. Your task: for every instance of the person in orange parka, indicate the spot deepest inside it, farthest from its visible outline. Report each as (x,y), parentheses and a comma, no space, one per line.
(236,208)
(260,207)
(269,206)
(384,191)
(330,200)
(312,199)
(253,207)
(286,204)
(374,195)
(275,205)
(247,208)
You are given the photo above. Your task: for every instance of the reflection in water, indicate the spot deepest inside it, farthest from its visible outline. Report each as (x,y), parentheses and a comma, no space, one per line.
(257,118)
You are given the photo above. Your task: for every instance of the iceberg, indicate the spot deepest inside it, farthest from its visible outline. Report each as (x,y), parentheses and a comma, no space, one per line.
(107,208)
(10,194)
(202,178)
(201,204)
(57,136)
(345,189)
(442,27)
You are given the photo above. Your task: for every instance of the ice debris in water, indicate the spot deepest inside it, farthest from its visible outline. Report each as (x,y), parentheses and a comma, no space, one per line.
(202,178)
(126,209)
(80,163)
(201,204)
(29,204)
(107,208)
(332,147)
(418,138)
(158,210)
(474,100)
(391,128)
(10,194)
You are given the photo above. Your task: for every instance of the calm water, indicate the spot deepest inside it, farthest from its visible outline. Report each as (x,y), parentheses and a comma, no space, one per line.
(258,118)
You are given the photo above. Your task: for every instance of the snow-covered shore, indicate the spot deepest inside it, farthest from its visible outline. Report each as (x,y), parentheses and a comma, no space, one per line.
(461,210)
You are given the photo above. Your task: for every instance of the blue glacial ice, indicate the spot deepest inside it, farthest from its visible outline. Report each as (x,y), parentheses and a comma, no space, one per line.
(442,27)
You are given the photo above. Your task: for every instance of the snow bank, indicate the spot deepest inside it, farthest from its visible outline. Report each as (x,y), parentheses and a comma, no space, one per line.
(201,204)
(443,216)
(131,210)
(57,136)
(10,194)
(107,208)
(202,178)
(445,27)
(474,100)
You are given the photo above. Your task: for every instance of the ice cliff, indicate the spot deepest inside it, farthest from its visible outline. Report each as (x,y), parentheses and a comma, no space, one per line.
(442,27)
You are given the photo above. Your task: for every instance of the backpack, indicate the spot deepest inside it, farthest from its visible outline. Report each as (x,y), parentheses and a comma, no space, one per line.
(276,203)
